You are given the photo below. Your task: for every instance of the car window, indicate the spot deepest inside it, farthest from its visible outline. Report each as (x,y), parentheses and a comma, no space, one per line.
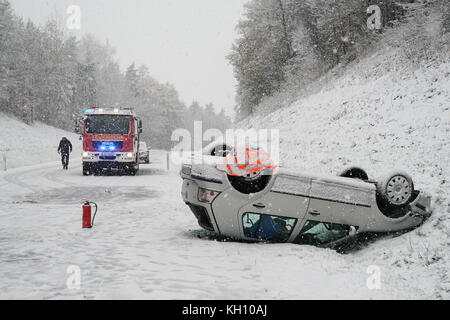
(318,233)
(265,227)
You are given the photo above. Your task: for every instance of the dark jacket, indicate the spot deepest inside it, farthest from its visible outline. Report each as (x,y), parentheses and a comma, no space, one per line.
(65,147)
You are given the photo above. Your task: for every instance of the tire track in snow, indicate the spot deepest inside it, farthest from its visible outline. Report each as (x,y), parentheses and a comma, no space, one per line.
(14,176)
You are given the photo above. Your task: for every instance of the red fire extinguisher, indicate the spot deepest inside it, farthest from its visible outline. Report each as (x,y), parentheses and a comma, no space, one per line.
(87,214)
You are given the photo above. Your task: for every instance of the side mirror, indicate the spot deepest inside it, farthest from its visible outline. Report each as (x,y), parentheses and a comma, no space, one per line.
(140,126)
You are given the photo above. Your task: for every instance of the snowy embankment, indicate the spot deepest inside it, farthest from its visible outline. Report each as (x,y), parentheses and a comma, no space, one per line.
(147,244)
(26,145)
(383,113)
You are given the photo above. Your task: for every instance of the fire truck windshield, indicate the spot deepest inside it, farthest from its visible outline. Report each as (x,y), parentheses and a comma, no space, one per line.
(108,124)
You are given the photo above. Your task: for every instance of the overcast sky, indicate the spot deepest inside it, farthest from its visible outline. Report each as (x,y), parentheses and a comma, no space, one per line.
(184,42)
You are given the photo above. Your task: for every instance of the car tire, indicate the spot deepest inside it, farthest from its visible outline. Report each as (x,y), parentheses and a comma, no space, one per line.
(248,185)
(394,193)
(355,173)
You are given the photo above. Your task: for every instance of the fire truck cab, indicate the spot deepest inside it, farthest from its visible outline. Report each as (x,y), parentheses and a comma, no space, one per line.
(110,140)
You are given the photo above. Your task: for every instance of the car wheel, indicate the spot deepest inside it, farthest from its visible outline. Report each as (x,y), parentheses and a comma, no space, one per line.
(251,183)
(396,190)
(355,173)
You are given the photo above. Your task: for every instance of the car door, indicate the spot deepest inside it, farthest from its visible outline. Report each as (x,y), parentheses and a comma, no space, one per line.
(339,202)
(277,214)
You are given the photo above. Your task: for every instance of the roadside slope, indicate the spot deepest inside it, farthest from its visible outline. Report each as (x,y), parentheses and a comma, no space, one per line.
(383,113)
(26,145)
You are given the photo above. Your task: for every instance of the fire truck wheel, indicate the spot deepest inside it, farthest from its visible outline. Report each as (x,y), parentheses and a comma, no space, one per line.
(131,171)
(86,170)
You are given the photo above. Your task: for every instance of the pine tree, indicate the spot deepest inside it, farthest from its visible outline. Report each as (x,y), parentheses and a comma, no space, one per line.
(46,74)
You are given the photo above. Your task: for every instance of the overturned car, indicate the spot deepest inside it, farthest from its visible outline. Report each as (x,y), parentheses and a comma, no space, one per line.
(256,201)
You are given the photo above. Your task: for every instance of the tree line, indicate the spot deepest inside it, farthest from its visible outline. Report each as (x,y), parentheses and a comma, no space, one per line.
(297,41)
(49,76)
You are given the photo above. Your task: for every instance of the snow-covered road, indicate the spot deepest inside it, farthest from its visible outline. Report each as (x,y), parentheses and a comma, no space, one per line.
(146,244)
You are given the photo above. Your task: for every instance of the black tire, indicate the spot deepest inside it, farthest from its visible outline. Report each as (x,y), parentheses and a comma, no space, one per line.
(355,173)
(86,170)
(247,186)
(132,171)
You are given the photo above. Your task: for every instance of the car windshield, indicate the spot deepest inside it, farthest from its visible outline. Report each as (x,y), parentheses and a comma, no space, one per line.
(318,233)
(108,124)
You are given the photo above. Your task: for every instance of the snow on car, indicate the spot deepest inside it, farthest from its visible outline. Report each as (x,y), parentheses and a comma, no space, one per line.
(277,205)
(144,152)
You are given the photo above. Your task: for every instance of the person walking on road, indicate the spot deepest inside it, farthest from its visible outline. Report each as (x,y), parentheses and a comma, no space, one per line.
(65,148)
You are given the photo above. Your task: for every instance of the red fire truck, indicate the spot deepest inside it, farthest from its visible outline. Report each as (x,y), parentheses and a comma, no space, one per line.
(110,140)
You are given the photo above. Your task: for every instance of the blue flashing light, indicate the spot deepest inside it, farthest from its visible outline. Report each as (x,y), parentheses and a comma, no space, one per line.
(107,147)
(89,111)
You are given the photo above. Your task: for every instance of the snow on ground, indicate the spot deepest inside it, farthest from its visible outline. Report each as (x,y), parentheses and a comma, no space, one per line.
(26,145)
(147,244)
(383,114)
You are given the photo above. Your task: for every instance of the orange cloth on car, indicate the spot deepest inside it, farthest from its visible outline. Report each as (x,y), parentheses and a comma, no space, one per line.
(255,161)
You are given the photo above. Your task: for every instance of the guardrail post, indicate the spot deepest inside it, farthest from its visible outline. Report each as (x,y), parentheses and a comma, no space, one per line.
(168,161)
(4,161)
